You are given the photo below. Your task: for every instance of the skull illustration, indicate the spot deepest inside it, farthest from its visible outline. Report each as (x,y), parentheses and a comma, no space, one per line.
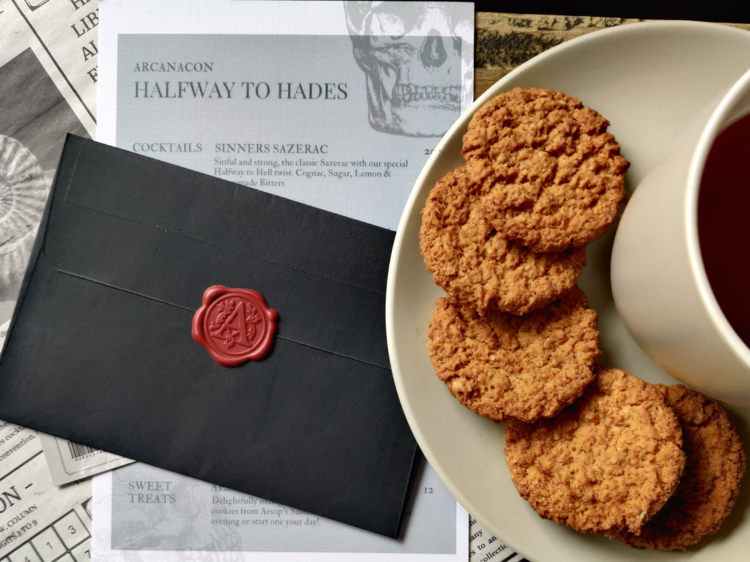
(411,54)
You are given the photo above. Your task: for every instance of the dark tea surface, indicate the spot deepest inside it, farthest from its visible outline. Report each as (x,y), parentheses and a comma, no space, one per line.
(724,224)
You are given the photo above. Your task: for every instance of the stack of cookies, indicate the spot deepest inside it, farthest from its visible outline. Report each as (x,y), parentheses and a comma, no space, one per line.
(505,236)
(515,340)
(658,467)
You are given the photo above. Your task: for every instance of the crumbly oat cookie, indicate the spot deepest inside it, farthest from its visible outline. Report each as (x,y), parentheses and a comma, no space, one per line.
(526,367)
(607,463)
(476,266)
(557,174)
(708,489)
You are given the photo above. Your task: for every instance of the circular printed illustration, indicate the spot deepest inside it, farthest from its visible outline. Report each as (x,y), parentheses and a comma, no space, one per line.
(23,192)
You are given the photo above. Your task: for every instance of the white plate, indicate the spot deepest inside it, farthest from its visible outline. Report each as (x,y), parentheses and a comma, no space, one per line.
(648,79)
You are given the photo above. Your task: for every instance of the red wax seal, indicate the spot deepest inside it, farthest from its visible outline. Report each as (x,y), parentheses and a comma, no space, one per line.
(234,325)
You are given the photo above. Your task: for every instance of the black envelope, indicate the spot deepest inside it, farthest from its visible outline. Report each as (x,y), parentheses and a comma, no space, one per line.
(100,348)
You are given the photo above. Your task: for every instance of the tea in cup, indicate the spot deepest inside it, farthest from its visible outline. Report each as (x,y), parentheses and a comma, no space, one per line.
(682,249)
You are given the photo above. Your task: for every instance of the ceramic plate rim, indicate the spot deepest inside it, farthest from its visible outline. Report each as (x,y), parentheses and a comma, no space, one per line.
(459,125)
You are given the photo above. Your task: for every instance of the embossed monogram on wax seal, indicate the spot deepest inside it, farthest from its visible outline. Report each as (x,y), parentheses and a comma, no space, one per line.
(234,325)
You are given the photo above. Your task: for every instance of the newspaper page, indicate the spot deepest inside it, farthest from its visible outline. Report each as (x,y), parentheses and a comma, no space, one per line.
(337,105)
(48,61)
(41,99)
(486,547)
(48,77)
(38,521)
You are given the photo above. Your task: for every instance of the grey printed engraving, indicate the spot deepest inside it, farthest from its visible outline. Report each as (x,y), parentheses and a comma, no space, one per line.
(411,55)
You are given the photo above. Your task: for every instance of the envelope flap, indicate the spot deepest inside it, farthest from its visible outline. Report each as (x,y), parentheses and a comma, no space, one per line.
(226,214)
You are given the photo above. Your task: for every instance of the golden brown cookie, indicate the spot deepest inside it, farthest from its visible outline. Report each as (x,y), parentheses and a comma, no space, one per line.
(526,367)
(708,489)
(557,174)
(476,266)
(607,463)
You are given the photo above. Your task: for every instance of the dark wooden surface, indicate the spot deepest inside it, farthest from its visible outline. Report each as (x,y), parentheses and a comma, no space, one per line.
(699,10)
(504,41)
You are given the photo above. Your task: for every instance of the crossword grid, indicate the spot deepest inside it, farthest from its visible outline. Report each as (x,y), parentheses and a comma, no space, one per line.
(65,540)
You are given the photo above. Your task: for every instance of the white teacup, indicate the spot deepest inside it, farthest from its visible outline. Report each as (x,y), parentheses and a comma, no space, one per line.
(659,282)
